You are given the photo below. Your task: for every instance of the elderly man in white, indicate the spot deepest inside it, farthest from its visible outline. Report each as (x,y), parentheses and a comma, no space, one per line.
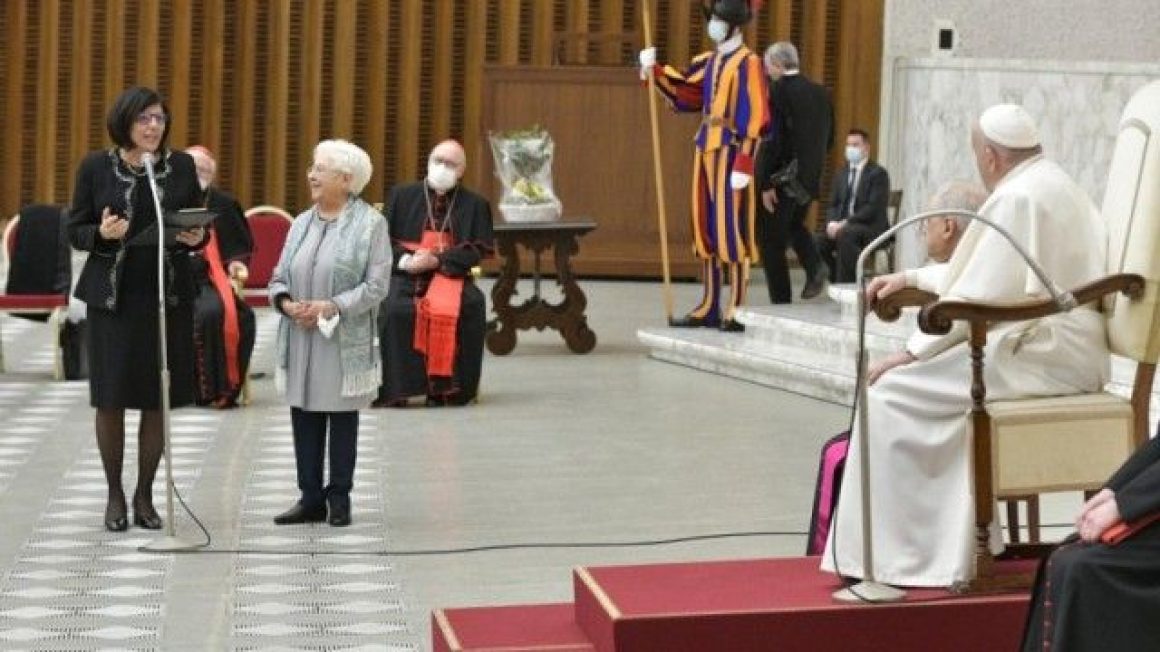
(919,439)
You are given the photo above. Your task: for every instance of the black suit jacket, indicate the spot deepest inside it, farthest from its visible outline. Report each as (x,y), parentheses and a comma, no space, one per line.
(803,129)
(871,197)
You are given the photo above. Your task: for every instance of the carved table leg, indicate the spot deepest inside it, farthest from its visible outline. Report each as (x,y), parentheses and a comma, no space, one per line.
(501,331)
(572,323)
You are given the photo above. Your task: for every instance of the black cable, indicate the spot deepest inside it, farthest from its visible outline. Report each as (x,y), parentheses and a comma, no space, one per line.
(203,549)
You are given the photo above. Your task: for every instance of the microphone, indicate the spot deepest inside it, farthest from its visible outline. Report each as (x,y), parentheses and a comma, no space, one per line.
(147,161)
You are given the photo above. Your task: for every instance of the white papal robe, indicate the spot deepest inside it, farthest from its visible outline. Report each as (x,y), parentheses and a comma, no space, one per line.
(920,473)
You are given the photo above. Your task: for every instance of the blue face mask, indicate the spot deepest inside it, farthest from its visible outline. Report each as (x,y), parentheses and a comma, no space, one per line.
(854,155)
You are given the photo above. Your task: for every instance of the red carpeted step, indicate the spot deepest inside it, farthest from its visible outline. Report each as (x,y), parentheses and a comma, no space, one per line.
(777,604)
(523,628)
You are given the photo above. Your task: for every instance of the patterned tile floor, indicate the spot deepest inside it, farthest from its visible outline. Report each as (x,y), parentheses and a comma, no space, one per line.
(71,585)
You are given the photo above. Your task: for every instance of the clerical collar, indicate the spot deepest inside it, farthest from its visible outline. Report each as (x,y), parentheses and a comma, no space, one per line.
(791,73)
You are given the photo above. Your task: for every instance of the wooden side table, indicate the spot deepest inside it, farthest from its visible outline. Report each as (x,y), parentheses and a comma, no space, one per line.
(566,317)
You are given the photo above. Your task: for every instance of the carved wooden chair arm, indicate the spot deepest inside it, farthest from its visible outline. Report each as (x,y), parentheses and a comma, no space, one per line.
(936,318)
(890,308)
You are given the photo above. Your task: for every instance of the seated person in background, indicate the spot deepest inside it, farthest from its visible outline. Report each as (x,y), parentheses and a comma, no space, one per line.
(432,323)
(223,325)
(857,211)
(942,234)
(1097,595)
(918,410)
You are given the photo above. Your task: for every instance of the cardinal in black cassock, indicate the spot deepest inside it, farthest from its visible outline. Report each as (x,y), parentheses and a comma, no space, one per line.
(431,326)
(1100,590)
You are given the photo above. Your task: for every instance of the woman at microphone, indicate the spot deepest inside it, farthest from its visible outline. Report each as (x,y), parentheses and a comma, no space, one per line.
(111,206)
(334,272)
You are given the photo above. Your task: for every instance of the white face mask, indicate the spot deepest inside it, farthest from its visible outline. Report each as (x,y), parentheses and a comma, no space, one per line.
(440,177)
(718,29)
(853,154)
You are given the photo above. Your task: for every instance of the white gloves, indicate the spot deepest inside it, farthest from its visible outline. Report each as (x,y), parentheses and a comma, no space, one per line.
(647,59)
(739,180)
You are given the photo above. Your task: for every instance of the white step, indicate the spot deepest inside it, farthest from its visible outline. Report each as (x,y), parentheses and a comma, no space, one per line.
(806,348)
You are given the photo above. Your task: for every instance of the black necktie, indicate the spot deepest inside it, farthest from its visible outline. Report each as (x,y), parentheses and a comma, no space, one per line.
(849,208)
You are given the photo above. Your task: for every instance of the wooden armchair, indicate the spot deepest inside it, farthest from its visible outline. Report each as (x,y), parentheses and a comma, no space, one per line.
(1034,446)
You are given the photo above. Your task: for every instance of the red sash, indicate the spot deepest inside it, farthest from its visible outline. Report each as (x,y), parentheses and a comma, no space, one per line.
(1121,530)
(231,330)
(437,313)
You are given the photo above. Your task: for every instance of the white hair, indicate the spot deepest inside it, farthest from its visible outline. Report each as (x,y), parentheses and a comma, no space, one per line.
(784,54)
(958,195)
(348,158)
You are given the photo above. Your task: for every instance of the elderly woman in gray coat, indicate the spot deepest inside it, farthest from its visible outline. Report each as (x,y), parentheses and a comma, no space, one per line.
(333,273)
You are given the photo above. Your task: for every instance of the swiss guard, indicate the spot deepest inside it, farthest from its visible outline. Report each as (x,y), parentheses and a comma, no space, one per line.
(727,85)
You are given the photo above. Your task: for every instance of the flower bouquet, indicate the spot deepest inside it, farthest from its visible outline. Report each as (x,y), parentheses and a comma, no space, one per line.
(523,163)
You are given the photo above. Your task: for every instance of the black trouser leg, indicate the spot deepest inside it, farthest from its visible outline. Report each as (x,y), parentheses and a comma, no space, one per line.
(802,240)
(773,231)
(851,242)
(343,452)
(309,451)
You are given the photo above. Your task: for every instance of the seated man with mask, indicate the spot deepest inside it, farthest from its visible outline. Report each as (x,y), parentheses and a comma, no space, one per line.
(918,410)
(432,323)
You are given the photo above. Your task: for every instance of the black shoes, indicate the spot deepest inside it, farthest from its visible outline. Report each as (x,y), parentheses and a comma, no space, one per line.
(817,282)
(732,326)
(300,513)
(339,517)
(115,520)
(145,516)
(689,321)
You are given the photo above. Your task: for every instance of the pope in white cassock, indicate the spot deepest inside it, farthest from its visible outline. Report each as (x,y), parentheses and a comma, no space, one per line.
(919,441)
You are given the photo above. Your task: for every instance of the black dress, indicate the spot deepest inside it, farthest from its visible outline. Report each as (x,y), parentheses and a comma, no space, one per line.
(119,281)
(1100,597)
(467,217)
(234,243)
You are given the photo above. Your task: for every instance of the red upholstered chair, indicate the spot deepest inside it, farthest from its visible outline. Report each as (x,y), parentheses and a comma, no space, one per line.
(269,224)
(54,305)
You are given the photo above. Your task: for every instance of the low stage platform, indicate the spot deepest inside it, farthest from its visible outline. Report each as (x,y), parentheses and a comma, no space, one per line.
(735,606)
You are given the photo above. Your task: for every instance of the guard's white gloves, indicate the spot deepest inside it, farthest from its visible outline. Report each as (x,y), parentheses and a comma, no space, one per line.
(739,180)
(647,59)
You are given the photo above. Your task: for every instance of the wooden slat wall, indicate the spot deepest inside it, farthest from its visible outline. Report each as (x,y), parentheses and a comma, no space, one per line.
(260,83)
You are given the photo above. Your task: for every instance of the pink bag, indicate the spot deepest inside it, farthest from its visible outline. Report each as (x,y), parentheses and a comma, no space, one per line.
(831,466)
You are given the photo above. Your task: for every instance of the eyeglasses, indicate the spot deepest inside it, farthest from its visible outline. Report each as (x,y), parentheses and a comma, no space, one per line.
(145,119)
(320,169)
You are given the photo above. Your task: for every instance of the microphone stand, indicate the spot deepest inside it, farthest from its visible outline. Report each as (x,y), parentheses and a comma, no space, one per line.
(870,590)
(170,542)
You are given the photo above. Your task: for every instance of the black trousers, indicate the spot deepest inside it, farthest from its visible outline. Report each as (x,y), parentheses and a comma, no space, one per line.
(785,227)
(842,254)
(310,451)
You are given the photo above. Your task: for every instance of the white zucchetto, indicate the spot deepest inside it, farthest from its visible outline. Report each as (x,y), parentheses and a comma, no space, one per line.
(1009,125)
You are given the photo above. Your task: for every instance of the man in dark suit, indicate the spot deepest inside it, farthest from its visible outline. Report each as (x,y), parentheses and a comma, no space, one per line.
(857,212)
(803,131)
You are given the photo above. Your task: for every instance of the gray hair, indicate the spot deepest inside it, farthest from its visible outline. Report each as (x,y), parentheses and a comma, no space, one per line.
(348,158)
(784,54)
(958,195)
